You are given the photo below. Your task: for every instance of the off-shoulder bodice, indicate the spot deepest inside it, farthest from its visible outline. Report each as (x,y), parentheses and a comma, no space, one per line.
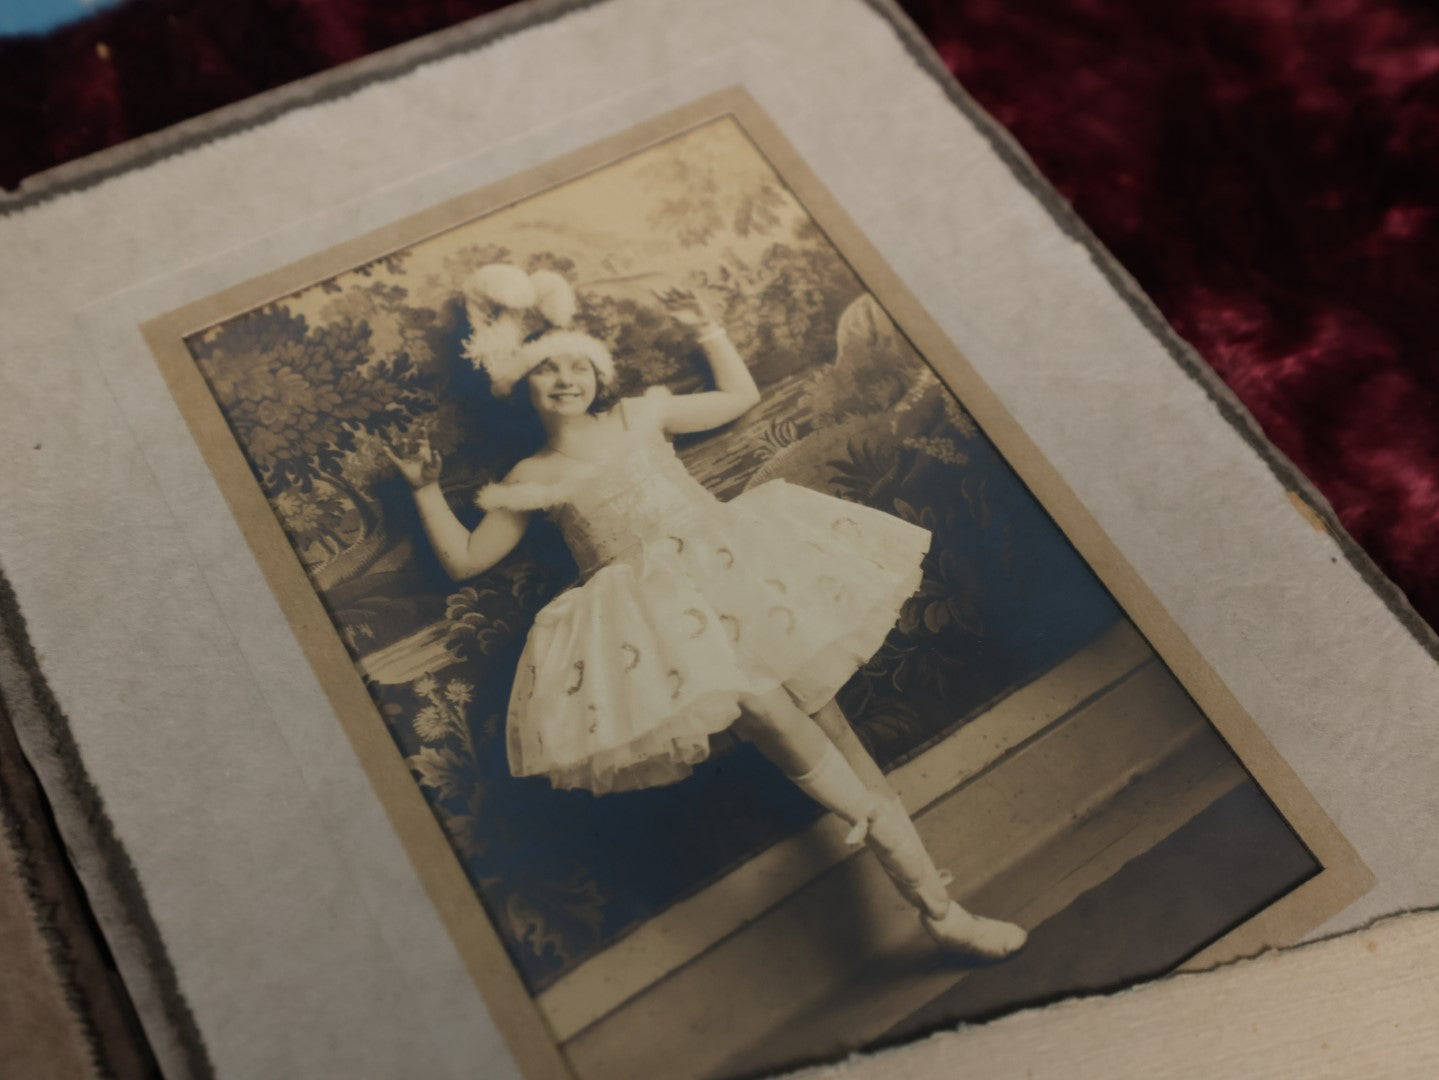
(687,605)
(639,500)
(611,508)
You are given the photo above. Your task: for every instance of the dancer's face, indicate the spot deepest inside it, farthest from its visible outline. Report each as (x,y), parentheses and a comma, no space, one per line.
(562,386)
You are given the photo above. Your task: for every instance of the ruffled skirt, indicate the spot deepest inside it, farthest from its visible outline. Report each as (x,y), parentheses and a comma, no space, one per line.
(625,677)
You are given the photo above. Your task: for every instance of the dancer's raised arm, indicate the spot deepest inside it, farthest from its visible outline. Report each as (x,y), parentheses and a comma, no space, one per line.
(462,552)
(735,392)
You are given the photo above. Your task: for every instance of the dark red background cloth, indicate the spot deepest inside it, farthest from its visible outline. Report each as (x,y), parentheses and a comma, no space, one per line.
(1267,169)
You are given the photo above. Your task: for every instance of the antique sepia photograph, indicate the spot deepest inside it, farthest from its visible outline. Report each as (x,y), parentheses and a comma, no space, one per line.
(738,682)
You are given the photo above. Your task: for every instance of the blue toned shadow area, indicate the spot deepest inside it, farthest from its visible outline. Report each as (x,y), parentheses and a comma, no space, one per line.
(21,17)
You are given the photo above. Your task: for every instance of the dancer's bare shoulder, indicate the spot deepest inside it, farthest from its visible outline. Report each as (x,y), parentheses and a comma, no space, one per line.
(542,467)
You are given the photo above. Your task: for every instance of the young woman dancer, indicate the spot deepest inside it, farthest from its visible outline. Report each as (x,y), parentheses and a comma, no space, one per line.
(692,615)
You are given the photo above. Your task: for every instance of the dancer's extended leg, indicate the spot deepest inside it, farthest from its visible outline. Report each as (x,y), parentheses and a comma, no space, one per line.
(793,741)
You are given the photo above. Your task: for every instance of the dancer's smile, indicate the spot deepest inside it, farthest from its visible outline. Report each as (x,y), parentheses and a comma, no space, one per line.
(563,385)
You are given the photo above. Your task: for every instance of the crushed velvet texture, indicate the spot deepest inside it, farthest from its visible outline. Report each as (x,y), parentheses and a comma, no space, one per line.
(1267,169)
(1269,172)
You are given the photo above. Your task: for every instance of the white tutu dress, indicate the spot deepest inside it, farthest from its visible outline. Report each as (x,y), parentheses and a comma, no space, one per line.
(684,604)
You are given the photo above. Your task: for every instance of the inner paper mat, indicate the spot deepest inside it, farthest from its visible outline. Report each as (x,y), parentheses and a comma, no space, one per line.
(204,728)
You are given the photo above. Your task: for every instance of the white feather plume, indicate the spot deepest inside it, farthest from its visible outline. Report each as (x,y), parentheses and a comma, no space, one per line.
(555,297)
(491,340)
(500,300)
(502,284)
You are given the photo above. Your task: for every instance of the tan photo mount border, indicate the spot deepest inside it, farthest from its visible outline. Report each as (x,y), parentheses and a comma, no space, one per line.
(1342,879)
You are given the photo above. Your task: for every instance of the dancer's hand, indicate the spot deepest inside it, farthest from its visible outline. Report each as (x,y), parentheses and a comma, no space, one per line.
(684,306)
(416,460)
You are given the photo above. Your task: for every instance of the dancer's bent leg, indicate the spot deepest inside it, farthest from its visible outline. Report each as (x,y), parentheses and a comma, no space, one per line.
(793,741)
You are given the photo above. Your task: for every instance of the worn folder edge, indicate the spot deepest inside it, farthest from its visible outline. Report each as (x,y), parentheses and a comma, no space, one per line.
(98,853)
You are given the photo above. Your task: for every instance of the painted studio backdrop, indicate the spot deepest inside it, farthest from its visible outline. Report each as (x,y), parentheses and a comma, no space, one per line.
(311,383)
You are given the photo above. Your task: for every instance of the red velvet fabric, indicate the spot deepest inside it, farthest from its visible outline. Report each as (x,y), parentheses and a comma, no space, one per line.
(1269,172)
(1267,169)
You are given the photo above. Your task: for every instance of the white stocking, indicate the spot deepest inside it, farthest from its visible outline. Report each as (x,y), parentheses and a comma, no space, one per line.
(834,784)
(889,831)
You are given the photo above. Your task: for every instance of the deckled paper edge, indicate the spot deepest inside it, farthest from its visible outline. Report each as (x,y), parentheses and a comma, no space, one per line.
(1381,975)
(254,112)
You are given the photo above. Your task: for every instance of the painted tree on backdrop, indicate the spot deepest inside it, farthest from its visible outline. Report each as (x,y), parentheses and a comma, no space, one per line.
(306,402)
(782,310)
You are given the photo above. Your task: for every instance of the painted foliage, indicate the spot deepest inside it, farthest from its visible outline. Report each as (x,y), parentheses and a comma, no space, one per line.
(311,383)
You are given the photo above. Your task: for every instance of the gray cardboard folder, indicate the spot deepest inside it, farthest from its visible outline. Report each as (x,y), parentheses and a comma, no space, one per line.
(1143,698)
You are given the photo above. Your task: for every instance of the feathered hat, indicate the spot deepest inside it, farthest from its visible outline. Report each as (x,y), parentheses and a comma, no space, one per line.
(519,320)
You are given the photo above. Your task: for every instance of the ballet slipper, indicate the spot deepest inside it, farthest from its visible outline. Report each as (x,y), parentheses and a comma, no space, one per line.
(892,836)
(960,930)
(889,831)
